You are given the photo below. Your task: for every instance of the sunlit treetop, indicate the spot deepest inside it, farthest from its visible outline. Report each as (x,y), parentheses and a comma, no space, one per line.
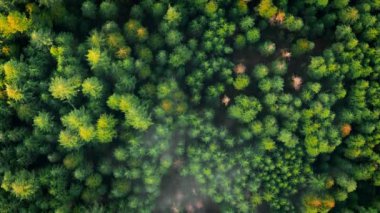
(64,89)
(43,121)
(92,87)
(172,16)
(22,184)
(13,23)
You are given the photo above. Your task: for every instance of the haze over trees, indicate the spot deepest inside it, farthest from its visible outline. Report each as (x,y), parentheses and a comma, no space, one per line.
(189,106)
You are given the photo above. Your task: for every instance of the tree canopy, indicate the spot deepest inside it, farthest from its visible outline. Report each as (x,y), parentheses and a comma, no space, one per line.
(189,106)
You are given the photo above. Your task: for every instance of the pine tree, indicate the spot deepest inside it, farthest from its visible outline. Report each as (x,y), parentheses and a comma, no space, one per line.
(268,144)
(94,181)
(302,46)
(89,9)
(293,24)
(349,15)
(73,160)
(173,16)
(14,23)
(69,139)
(266,9)
(105,128)
(92,87)
(267,48)
(43,121)
(245,108)
(93,57)
(260,71)
(211,7)
(108,10)
(64,89)
(14,93)
(22,184)
(253,35)
(317,68)
(241,82)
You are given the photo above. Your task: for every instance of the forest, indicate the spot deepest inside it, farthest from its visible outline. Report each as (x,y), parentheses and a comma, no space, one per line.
(190,106)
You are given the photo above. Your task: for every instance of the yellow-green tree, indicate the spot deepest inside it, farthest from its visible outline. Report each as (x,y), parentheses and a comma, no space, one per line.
(14,23)
(22,184)
(64,89)
(266,9)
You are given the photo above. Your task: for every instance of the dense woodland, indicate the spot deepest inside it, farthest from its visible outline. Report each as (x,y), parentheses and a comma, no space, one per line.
(190,106)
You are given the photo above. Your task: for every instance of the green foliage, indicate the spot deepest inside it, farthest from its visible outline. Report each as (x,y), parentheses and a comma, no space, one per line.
(349,15)
(94,180)
(241,82)
(89,9)
(270,99)
(43,121)
(340,3)
(92,87)
(302,46)
(22,184)
(12,71)
(108,10)
(93,57)
(343,32)
(376,179)
(64,89)
(107,106)
(211,7)
(279,67)
(253,35)
(293,24)
(287,138)
(105,128)
(267,48)
(245,108)
(268,144)
(172,16)
(265,85)
(247,23)
(173,38)
(319,3)
(260,71)
(266,9)
(72,160)
(348,184)
(68,139)
(240,41)
(13,23)
(172,99)
(135,114)
(180,56)
(317,68)
(76,119)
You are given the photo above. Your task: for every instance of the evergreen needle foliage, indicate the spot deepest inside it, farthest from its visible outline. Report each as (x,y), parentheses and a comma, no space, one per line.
(189,106)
